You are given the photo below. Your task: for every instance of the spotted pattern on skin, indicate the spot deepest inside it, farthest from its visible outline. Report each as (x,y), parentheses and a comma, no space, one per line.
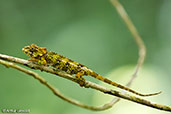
(48,58)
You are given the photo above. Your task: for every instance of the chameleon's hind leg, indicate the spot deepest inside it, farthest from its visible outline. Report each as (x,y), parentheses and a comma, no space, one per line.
(80,78)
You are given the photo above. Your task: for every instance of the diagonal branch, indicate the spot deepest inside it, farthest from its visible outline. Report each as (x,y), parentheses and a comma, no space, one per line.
(87,83)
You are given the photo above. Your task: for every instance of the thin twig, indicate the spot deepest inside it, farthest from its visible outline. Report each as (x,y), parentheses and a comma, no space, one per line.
(136,36)
(87,83)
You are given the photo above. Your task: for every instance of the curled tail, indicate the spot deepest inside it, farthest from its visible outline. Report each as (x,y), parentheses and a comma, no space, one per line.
(99,77)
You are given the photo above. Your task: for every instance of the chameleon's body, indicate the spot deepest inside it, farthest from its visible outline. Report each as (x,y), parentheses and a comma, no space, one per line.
(48,58)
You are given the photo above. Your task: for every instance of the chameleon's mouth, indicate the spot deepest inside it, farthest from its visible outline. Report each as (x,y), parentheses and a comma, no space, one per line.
(27,51)
(24,50)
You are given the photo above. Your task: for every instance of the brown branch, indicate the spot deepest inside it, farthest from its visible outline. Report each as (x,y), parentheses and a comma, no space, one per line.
(87,83)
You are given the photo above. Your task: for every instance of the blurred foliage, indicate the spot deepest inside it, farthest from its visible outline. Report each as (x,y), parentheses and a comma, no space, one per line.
(90,32)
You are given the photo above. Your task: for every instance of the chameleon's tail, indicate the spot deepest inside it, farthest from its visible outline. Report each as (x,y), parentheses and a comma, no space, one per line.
(97,76)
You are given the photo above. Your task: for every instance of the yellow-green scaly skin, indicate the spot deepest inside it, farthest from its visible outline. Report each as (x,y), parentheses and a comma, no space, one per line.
(48,58)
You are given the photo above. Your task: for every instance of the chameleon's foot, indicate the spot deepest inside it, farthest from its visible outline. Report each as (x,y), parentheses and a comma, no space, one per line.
(80,79)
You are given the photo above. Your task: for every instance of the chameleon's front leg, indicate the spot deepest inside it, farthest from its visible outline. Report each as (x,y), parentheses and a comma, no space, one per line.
(80,78)
(40,61)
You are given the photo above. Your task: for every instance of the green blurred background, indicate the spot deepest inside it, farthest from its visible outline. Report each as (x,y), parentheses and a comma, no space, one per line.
(92,33)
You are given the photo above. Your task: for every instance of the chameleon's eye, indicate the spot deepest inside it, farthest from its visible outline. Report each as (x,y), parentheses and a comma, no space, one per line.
(32,50)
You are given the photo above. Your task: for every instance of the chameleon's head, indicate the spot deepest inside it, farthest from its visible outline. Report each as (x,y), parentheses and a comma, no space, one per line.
(34,51)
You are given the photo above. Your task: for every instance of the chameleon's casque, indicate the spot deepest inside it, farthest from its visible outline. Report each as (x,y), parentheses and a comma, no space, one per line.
(43,57)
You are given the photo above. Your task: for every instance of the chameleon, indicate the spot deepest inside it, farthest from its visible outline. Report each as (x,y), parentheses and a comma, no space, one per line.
(41,56)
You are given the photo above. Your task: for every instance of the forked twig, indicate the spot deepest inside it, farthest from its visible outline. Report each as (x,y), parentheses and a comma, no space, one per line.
(87,83)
